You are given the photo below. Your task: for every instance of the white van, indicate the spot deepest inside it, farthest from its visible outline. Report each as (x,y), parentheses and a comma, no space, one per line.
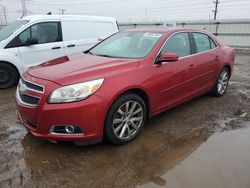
(35,39)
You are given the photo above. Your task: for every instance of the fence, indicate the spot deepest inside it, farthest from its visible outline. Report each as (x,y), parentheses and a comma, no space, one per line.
(235,33)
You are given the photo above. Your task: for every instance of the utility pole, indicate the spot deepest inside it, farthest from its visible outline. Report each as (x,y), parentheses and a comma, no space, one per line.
(216,8)
(4,14)
(62,11)
(24,8)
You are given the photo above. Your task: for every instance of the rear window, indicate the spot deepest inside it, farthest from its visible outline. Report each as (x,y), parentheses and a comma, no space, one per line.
(203,42)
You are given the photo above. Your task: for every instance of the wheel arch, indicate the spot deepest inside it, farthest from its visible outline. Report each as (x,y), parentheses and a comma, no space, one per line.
(229,69)
(141,93)
(13,65)
(136,90)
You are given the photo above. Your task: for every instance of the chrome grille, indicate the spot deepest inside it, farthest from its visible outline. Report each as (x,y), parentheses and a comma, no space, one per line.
(29,99)
(32,86)
(29,93)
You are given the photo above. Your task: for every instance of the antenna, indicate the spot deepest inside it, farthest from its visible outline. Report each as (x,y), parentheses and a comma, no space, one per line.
(62,10)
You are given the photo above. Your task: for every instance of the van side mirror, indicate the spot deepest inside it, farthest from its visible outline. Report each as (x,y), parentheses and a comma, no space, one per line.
(31,41)
(168,57)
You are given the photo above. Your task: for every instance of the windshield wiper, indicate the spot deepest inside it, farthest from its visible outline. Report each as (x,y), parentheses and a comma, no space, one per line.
(103,55)
(88,52)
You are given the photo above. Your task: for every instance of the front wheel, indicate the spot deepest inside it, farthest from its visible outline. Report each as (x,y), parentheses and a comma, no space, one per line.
(125,119)
(221,84)
(8,76)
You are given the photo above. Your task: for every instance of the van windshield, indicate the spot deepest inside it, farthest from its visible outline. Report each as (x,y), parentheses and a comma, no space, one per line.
(132,45)
(8,30)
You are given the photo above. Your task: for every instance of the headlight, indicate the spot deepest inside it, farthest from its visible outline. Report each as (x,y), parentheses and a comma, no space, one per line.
(75,92)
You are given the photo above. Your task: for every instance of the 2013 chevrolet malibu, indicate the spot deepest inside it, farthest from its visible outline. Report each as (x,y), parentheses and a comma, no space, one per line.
(110,90)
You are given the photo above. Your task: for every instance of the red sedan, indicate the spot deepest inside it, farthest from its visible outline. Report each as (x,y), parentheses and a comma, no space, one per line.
(110,90)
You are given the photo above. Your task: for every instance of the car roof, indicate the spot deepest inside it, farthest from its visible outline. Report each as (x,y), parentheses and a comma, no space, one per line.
(59,17)
(165,30)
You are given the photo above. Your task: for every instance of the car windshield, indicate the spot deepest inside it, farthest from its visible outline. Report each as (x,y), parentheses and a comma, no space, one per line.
(8,30)
(132,45)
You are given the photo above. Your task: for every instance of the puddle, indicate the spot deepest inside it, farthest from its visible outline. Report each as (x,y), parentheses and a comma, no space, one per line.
(222,161)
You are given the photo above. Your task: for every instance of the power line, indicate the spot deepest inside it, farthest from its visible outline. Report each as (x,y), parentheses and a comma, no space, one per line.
(105,2)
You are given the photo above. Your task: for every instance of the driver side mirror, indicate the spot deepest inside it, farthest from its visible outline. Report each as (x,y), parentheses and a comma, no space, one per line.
(31,41)
(168,57)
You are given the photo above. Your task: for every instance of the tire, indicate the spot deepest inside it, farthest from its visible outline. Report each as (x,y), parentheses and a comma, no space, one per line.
(8,75)
(125,119)
(221,84)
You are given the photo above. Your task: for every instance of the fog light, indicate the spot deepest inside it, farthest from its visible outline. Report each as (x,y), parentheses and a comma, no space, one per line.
(66,130)
(70,129)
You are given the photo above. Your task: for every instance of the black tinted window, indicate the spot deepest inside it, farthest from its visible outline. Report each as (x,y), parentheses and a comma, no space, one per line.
(179,44)
(45,32)
(23,37)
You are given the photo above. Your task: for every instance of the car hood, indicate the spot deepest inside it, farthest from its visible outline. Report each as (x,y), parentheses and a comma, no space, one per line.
(80,67)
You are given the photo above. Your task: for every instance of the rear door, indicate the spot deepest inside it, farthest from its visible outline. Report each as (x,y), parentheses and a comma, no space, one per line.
(206,59)
(49,46)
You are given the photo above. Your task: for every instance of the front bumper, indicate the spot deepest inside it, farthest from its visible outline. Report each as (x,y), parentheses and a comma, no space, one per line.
(88,114)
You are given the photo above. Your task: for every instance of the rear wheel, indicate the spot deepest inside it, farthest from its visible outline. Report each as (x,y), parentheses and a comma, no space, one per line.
(8,76)
(125,119)
(221,84)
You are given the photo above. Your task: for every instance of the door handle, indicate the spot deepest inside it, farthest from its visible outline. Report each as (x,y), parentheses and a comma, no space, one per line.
(217,58)
(191,66)
(71,45)
(56,47)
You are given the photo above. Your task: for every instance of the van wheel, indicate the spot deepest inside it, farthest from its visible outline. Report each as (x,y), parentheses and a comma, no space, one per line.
(221,84)
(125,119)
(8,76)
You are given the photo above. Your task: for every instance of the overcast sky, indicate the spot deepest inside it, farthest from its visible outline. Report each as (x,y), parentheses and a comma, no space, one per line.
(133,10)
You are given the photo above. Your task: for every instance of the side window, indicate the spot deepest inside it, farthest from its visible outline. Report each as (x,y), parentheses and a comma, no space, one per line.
(46,32)
(212,44)
(179,44)
(202,42)
(23,37)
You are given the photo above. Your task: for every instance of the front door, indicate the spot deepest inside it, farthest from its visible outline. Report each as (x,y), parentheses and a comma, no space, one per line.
(173,77)
(48,45)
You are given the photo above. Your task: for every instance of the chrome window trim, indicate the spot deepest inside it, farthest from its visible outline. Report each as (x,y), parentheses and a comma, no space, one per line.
(33,84)
(217,46)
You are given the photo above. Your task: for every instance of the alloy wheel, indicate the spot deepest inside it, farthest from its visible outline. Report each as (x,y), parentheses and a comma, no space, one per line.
(223,82)
(127,120)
